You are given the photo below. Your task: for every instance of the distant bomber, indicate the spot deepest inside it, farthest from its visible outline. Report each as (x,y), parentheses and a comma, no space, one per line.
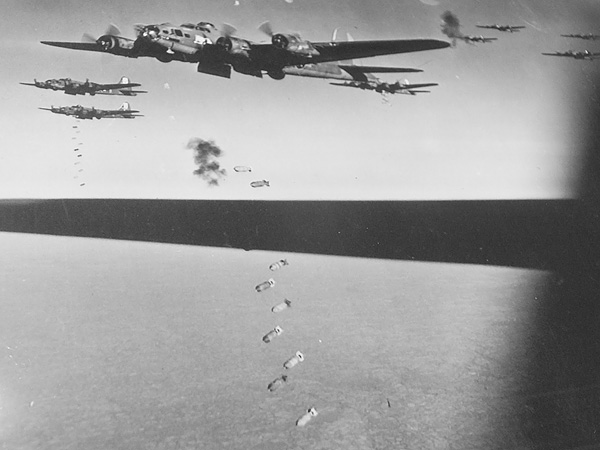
(480,39)
(72,87)
(586,54)
(511,28)
(82,112)
(387,88)
(587,37)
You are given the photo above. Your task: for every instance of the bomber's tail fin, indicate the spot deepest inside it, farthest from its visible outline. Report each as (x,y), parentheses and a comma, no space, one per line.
(125,107)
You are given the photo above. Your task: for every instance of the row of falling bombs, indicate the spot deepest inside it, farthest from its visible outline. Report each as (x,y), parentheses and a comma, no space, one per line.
(294,360)
(76,150)
(254,184)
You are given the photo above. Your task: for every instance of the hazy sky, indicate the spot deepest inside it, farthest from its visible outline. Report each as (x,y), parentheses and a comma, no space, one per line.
(501,124)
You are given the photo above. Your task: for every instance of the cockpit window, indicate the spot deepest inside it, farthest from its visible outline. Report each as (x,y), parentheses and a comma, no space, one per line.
(178,32)
(165,31)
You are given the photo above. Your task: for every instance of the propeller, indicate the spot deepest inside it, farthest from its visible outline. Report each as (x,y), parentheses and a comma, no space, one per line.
(88,38)
(228,30)
(266,28)
(111,30)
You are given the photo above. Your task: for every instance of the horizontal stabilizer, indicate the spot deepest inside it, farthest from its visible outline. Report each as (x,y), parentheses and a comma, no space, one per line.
(28,84)
(376,69)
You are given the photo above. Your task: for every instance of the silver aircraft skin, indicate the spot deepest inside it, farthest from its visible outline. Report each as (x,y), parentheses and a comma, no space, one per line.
(73,87)
(82,112)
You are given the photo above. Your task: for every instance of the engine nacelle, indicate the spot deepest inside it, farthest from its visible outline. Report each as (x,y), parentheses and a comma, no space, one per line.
(282,41)
(114,44)
(276,74)
(233,45)
(293,43)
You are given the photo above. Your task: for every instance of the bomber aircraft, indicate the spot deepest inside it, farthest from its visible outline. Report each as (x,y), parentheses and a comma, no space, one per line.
(382,87)
(586,54)
(587,37)
(72,87)
(474,39)
(510,28)
(82,112)
(217,52)
(359,77)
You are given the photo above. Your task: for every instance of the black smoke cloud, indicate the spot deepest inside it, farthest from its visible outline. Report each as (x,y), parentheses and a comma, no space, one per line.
(206,155)
(451,26)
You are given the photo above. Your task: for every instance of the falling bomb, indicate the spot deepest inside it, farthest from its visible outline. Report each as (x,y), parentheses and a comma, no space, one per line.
(277,383)
(282,306)
(279,264)
(272,334)
(242,169)
(312,412)
(265,285)
(261,183)
(297,358)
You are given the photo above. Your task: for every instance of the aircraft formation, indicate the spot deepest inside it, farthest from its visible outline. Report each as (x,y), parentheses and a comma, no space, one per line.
(581,55)
(218,52)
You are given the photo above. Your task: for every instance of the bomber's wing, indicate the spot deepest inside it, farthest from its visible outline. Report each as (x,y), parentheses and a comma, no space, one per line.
(87,46)
(106,87)
(489,27)
(409,87)
(376,69)
(569,55)
(360,72)
(117,91)
(267,54)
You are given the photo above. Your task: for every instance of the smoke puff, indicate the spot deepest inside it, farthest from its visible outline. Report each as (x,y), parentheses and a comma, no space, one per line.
(206,155)
(451,26)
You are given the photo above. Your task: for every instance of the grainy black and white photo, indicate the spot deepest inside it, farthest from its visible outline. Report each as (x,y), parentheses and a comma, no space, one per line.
(299,224)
